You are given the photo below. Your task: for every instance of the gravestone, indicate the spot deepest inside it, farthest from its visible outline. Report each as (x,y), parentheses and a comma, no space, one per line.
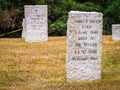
(84,48)
(116,32)
(36,23)
(24,30)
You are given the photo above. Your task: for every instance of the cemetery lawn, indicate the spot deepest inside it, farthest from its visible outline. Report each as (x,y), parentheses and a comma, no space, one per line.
(41,66)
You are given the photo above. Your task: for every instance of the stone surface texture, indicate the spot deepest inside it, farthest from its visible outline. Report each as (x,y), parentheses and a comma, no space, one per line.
(116,32)
(24,30)
(36,23)
(84,46)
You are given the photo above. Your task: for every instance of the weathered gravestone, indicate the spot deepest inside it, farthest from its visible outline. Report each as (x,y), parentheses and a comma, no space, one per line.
(84,48)
(24,30)
(116,32)
(36,23)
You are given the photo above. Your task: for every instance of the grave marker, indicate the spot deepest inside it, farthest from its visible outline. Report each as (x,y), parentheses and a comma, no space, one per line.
(116,32)
(84,47)
(36,23)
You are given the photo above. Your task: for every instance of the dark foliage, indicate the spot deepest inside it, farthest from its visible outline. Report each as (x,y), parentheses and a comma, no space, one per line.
(12,13)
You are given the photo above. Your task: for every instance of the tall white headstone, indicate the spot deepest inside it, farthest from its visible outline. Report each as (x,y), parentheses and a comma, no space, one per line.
(84,48)
(36,23)
(116,32)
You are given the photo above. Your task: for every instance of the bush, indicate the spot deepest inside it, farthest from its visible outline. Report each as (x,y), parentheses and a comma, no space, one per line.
(58,14)
(111,16)
(58,28)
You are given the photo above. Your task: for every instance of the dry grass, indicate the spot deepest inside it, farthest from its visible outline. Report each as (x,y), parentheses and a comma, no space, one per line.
(41,66)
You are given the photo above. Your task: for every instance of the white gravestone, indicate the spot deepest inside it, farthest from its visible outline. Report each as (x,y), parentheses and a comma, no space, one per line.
(116,32)
(24,30)
(84,48)
(36,23)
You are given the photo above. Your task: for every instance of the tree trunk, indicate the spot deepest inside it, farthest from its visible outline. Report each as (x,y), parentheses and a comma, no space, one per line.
(10,7)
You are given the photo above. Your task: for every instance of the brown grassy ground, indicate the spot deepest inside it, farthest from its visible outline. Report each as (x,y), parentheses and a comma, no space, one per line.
(41,66)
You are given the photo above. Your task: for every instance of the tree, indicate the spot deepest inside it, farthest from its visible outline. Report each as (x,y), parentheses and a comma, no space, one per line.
(111,16)
(11,13)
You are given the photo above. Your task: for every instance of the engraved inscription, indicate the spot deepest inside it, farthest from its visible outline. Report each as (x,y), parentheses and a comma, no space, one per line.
(37,26)
(84,37)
